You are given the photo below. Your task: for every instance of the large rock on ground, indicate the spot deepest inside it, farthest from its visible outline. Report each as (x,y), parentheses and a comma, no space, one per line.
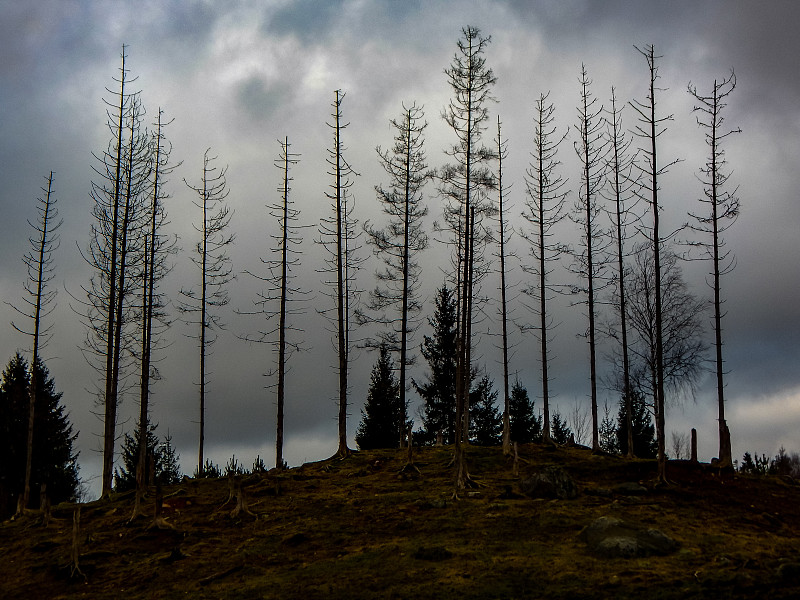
(552,482)
(609,537)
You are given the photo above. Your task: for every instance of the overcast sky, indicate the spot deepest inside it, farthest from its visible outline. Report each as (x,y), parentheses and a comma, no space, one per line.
(236,76)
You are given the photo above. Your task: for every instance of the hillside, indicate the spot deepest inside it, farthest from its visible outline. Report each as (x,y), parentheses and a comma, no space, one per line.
(358,528)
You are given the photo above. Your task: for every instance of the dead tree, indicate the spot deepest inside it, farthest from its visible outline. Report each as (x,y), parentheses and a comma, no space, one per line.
(723,210)
(157,249)
(119,194)
(214,262)
(464,185)
(619,193)
(502,240)
(649,128)
(544,210)
(399,243)
(280,286)
(40,300)
(338,237)
(589,263)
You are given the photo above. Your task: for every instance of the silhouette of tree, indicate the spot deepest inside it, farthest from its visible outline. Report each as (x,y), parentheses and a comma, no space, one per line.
(211,257)
(438,393)
(544,209)
(526,427)
(381,412)
(39,262)
(589,263)
(54,462)
(649,128)
(338,236)
(724,209)
(400,242)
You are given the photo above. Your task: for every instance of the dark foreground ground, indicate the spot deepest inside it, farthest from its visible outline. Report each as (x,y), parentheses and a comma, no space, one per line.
(358,528)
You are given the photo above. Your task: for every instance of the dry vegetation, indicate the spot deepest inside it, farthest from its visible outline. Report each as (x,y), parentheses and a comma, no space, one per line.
(359,528)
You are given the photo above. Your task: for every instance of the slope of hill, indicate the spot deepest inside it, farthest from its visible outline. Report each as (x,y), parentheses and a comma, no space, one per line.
(365,528)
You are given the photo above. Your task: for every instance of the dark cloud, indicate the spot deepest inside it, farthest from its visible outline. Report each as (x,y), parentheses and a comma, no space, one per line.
(237,78)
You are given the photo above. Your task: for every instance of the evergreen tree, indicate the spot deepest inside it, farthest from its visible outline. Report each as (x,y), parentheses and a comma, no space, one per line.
(526,427)
(608,432)
(486,421)
(561,430)
(167,468)
(439,391)
(644,443)
(381,415)
(53,463)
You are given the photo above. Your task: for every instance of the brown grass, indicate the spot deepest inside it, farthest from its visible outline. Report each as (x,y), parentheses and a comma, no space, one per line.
(357,528)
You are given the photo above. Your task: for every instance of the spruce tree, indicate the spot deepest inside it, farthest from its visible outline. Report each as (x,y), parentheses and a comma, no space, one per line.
(486,421)
(53,463)
(561,430)
(644,443)
(167,468)
(381,415)
(526,427)
(439,391)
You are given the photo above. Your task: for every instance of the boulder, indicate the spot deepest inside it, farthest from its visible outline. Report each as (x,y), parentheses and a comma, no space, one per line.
(630,488)
(609,537)
(552,482)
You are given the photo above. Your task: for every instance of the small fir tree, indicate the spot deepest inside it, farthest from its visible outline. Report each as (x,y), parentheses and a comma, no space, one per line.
(382,414)
(167,467)
(486,421)
(608,432)
(438,393)
(526,427)
(644,442)
(561,430)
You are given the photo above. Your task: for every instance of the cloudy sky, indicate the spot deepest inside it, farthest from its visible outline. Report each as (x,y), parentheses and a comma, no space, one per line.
(237,76)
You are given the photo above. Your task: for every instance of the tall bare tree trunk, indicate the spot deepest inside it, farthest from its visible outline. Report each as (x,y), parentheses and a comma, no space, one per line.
(41,263)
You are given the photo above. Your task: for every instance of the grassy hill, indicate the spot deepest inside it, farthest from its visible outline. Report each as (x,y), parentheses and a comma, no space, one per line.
(359,528)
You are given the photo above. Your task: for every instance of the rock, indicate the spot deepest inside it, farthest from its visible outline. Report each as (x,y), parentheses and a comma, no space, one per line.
(789,572)
(600,491)
(630,488)
(553,482)
(609,537)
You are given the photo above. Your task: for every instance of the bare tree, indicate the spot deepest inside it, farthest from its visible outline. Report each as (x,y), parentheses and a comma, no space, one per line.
(40,300)
(400,242)
(724,209)
(119,192)
(464,185)
(339,238)
(590,262)
(578,421)
(281,289)
(680,445)
(619,193)
(502,235)
(157,248)
(214,262)
(649,128)
(544,209)
(682,343)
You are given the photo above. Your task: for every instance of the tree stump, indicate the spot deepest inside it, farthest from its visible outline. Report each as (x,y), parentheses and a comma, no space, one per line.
(76,544)
(159,521)
(44,505)
(241,501)
(694,446)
